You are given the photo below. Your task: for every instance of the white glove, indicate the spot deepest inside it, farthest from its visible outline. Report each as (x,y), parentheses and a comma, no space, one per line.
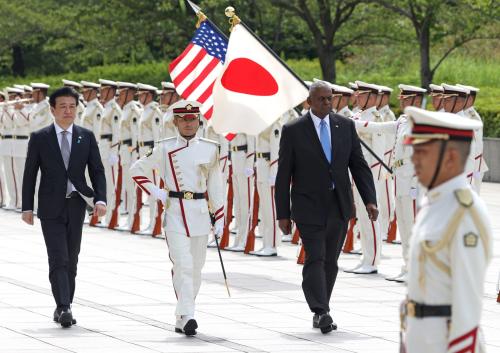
(113,159)
(219,227)
(272,180)
(160,194)
(249,172)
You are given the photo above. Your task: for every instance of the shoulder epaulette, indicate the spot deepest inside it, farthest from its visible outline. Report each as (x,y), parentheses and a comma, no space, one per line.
(464,197)
(166,139)
(208,140)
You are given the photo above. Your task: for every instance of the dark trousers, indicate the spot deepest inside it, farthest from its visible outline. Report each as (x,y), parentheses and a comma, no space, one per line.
(322,245)
(63,236)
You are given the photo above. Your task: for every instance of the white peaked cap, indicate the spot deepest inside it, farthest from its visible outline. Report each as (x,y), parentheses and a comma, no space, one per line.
(121,84)
(39,85)
(144,87)
(437,88)
(470,88)
(408,88)
(14,90)
(71,83)
(368,85)
(353,85)
(107,82)
(385,89)
(89,84)
(168,85)
(454,88)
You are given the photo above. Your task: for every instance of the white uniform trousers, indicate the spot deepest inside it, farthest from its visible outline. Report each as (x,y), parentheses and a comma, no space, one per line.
(129,193)
(111,173)
(405,212)
(188,256)
(385,195)
(11,184)
(371,240)
(19,163)
(271,238)
(243,188)
(429,335)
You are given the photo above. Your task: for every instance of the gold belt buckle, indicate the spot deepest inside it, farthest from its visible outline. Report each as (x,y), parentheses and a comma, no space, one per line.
(410,309)
(141,143)
(188,195)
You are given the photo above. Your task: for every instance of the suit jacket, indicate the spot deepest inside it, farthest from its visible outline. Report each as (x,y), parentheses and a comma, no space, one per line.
(303,164)
(44,153)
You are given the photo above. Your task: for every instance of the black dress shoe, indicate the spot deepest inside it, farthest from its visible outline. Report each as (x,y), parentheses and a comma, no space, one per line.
(57,313)
(66,318)
(190,327)
(325,322)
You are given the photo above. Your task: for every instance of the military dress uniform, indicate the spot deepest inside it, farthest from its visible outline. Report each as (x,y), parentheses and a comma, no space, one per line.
(80,107)
(6,153)
(150,124)
(41,115)
(128,141)
(242,149)
(3,195)
(450,249)
(91,116)
(191,172)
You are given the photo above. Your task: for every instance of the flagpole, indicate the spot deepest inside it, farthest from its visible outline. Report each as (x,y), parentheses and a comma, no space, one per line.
(202,17)
(230,12)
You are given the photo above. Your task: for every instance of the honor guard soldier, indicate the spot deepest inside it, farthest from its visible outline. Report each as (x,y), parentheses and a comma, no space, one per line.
(341,97)
(189,165)
(367,98)
(405,187)
(266,166)
(242,149)
(40,116)
(168,97)
(149,132)
(3,196)
(108,146)
(131,111)
(354,98)
(77,87)
(477,165)
(91,117)
(436,92)
(451,243)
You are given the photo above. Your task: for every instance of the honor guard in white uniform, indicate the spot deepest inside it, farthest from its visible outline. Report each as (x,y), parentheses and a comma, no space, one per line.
(168,97)
(108,146)
(3,196)
(189,165)
(91,117)
(341,97)
(454,99)
(476,166)
(242,149)
(354,98)
(40,115)
(405,183)
(436,92)
(150,124)
(131,111)
(371,237)
(266,166)
(451,243)
(7,145)
(77,87)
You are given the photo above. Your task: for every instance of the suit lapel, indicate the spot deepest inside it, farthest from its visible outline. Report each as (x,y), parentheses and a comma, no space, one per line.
(54,143)
(313,135)
(335,135)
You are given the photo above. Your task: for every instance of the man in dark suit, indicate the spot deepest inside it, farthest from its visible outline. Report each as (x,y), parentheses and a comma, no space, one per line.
(316,152)
(62,151)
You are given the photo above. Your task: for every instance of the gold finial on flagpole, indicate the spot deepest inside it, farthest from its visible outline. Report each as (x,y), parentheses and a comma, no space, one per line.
(201,17)
(233,19)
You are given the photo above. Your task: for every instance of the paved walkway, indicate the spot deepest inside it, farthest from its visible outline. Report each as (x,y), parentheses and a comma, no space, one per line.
(125,300)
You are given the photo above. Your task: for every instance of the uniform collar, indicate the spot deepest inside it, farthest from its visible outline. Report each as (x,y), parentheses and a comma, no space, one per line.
(182,140)
(446,188)
(60,129)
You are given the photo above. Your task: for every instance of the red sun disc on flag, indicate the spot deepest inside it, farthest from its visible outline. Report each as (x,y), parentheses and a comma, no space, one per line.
(248,77)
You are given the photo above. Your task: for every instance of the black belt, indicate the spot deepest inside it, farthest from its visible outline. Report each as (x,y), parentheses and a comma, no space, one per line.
(418,310)
(239,148)
(186,195)
(21,137)
(8,136)
(107,137)
(265,155)
(147,143)
(127,142)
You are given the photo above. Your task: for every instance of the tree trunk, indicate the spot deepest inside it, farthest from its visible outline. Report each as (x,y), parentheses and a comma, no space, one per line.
(17,61)
(327,58)
(426,74)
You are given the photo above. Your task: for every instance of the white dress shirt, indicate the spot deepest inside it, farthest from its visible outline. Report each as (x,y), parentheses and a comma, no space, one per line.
(317,121)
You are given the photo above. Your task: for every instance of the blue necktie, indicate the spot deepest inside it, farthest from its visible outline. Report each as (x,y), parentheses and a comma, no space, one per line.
(325,140)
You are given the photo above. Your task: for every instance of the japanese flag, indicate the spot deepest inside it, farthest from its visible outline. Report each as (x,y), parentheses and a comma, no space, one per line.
(254,88)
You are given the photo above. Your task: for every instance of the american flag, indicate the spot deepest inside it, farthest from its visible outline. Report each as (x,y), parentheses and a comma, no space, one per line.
(194,72)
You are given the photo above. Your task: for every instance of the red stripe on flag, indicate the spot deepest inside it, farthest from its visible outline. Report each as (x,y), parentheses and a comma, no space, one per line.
(203,75)
(208,92)
(209,113)
(189,68)
(177,60)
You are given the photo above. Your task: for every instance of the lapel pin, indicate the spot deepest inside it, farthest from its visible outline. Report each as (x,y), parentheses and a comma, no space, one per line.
(336,126)
(79,139)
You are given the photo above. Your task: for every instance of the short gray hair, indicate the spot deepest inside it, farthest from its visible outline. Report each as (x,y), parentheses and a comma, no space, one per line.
(317,85)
